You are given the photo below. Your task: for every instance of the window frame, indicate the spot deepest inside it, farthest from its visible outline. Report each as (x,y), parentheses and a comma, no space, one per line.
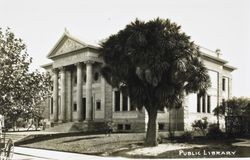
(98,102)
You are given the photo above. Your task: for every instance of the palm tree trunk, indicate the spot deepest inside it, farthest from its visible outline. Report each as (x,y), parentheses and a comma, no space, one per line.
(152,132)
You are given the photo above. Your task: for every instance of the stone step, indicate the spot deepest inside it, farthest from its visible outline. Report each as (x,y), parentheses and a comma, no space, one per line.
(62,127)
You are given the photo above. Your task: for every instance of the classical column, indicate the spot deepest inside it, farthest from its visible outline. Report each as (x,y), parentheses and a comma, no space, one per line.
(89,107)
(103,94)
(121,101)
(79,92)
(129,106)
(55,95)
(69,96)
(62,117)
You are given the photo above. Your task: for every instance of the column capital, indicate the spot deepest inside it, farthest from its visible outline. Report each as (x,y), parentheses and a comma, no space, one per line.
(63,68)
(78,64)
(89,62)
(55,70)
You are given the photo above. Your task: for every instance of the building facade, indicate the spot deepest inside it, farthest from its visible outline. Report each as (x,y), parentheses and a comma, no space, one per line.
(81,96)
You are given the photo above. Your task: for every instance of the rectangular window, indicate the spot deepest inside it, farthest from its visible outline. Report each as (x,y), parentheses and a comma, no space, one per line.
(161,126)
(98,105)
(223,102)
(51,105)
(84,107)
(132,106)
(75,107)
(59,104)
(223,84)
(124,101)
(120,127)
(75,79)
(127,127)
(117,100)
(203,104)
(208,103)
(161,109)
(198,103)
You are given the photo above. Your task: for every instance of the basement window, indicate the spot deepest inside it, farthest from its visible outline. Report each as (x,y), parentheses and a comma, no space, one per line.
(120,127)
(127,127)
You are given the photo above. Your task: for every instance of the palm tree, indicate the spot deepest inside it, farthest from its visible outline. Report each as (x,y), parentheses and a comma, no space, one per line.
(156,64)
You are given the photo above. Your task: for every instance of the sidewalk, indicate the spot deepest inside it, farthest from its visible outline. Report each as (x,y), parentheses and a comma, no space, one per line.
(22,153)
(244,143)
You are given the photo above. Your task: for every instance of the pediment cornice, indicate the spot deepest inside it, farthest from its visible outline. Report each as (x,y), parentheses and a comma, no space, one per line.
(67,44)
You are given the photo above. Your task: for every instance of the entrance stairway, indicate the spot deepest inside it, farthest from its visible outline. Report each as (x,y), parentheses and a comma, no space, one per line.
(62,127)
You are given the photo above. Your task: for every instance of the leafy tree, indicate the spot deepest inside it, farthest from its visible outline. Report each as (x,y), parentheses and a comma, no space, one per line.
(237,110)
(20,90)
(156,64)
(238,106)
(233,107)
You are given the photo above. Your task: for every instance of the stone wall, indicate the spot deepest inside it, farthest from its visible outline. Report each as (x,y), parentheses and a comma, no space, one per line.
(108,102)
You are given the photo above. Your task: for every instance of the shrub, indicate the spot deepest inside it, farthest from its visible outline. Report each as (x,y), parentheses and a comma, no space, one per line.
(214,131)
(160,139)
(200,125)
(186,137)
(20,122)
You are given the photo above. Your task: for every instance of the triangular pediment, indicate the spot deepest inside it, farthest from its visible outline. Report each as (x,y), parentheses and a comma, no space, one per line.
(66,44)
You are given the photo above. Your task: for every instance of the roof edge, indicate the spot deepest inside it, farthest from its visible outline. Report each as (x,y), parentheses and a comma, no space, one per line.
(214,58)
(230,67)
(48,65)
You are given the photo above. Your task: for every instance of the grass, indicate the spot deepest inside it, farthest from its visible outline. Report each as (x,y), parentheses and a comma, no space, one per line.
(119,144)
(87,144)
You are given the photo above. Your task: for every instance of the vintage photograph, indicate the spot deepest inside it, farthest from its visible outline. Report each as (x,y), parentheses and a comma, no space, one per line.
(89,79)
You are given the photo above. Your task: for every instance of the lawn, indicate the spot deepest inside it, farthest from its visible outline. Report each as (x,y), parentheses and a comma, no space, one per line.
(130,145)
(87,144)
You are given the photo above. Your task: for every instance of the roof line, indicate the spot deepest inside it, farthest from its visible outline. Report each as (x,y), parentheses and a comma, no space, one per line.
(66,34)
(46,65)
(230,67)
(214,58)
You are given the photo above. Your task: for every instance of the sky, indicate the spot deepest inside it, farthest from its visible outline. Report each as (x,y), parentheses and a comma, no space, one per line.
(213,24)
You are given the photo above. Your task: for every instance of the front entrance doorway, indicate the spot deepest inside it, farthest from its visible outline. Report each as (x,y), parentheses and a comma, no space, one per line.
(84,108)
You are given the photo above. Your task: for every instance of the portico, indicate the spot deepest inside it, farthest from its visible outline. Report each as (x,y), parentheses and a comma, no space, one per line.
(68,70)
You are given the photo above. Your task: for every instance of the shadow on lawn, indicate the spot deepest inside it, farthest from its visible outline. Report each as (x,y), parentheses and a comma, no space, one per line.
(78,139)
(41,137)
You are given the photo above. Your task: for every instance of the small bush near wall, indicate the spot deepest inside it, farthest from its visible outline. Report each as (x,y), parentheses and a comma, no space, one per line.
(186,137)
(201,125)
(214,131)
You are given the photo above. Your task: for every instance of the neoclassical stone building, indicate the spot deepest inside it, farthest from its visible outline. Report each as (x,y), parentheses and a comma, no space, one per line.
(83,100)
